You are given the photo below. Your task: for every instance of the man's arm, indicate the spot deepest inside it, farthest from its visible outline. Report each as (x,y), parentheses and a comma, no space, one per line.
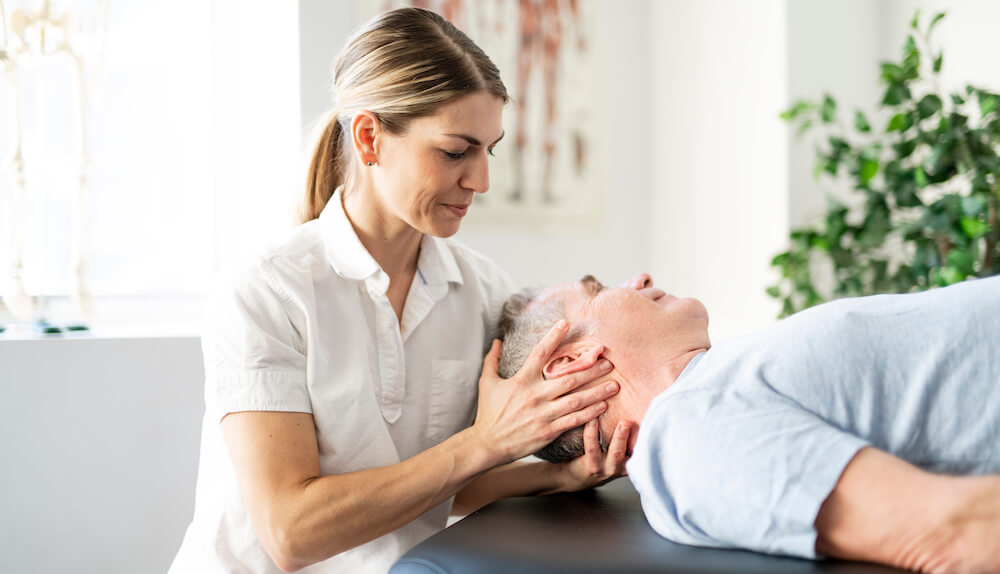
(886,510)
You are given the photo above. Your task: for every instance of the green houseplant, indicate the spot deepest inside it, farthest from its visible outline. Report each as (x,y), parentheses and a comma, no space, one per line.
(926,188)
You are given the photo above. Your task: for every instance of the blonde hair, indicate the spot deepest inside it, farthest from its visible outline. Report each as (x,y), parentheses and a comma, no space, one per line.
(403,65)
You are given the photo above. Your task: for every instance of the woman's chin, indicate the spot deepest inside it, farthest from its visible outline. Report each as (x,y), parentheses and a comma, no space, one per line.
(442,229)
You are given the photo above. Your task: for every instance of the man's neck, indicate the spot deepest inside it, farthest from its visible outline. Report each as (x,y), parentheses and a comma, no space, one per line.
(650,384)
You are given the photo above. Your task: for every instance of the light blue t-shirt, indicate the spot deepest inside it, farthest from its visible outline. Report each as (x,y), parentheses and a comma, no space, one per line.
(746,445)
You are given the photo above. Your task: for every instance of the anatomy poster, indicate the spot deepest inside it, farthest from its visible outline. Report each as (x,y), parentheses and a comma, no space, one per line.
(548,173)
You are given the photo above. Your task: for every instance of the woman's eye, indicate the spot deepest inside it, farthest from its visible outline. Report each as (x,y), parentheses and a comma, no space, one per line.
(453,155)
(490,151)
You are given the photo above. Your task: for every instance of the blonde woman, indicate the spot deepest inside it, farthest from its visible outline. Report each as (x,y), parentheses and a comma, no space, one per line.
(341,368)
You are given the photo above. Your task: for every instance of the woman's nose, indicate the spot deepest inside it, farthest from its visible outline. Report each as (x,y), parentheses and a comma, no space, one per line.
(639,281)
(477,178)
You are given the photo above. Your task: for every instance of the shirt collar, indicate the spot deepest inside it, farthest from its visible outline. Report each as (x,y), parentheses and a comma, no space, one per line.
(344,250)
(350,259)
(436,264)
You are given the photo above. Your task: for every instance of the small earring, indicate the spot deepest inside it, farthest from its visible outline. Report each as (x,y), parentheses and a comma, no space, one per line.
(371,163)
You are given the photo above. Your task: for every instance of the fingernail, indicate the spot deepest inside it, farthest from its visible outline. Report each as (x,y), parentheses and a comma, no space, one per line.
(612,386)
(561,324)
(603,405)
(605,365)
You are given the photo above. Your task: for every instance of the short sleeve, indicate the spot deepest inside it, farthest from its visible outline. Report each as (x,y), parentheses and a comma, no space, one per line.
(254,350)
(737,470)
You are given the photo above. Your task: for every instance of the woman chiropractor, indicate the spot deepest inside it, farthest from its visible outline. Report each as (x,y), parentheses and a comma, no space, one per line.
(341,366)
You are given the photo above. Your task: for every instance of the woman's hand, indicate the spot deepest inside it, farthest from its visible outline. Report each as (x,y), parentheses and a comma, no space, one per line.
(520,415)
(595,467)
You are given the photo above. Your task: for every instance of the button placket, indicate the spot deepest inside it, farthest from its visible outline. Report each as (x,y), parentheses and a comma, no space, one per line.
(390,349)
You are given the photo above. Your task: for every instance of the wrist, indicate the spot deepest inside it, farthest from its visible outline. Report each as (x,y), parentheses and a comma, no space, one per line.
(555,477)
(479,449)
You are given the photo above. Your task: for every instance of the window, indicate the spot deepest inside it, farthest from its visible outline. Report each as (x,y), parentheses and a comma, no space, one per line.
(193,133)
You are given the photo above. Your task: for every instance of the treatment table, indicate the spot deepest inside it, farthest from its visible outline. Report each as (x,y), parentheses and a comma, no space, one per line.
(601,530)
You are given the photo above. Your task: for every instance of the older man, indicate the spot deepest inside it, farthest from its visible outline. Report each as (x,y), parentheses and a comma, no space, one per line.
(865,429)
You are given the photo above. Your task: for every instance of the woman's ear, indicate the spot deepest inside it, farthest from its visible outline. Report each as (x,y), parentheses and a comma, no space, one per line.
(364,129)
(566,360)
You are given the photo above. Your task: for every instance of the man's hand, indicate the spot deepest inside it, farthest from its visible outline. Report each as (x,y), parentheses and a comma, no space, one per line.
(595,467)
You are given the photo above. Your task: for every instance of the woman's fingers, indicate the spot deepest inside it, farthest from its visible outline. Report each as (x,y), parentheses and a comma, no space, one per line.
(575,419)
(568,383)
(492,360)
(592,440)
(536,360)
(618,448)
(575,402)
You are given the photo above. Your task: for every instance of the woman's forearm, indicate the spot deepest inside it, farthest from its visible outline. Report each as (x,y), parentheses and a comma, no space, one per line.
(515,479)
(302,517)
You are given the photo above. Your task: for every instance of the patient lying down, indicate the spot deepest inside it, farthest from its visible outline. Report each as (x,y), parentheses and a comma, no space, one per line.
(864,429)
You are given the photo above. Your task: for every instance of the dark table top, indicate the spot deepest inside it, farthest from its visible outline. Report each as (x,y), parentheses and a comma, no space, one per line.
(601,530)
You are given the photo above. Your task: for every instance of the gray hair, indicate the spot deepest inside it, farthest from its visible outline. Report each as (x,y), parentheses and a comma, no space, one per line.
(520,329)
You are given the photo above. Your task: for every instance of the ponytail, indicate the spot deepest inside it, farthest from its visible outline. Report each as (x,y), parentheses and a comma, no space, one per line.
(326,170)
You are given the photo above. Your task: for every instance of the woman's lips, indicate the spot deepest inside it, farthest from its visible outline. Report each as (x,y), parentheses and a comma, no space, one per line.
(459,210)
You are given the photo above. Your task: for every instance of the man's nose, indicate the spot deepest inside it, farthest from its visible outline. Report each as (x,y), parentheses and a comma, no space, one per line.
(639,281)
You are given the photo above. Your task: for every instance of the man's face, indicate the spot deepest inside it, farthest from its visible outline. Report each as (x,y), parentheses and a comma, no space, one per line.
(641,327)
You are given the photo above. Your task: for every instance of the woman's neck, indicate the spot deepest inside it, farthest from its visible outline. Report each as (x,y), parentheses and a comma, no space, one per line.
(390,241)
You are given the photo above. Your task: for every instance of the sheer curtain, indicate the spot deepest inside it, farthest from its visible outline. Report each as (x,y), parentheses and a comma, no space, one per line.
(193,129)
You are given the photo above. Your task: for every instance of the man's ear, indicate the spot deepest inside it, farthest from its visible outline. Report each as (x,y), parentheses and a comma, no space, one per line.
(571,359)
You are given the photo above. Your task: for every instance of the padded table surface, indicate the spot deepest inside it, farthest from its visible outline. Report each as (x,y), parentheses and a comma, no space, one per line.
(601,530)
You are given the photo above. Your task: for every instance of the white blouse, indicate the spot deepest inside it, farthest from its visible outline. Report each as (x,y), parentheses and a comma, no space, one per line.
(309,328)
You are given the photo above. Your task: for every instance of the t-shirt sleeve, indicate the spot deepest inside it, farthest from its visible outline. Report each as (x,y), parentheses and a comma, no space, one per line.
(253,347)
(738,470)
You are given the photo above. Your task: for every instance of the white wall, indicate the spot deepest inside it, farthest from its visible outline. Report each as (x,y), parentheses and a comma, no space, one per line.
(718,211)
(99,439)
(833,48)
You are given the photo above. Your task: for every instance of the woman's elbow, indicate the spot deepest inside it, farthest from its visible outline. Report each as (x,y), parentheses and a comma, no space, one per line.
(286,549)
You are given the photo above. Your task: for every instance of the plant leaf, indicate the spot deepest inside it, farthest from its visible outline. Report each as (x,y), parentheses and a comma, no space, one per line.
(962,260)
(798,108)
(869,168)
(899,123)
(861,122)
(891,72)
(828,111)
(974,228)
(987,102)
(895,94)
(937,18)
(938,62)
(928,106)
(803,128)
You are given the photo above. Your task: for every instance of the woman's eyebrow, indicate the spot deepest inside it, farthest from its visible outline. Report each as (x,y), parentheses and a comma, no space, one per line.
(473,140)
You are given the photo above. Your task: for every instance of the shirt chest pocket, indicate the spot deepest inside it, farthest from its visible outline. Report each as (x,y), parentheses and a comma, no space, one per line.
(454,389)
